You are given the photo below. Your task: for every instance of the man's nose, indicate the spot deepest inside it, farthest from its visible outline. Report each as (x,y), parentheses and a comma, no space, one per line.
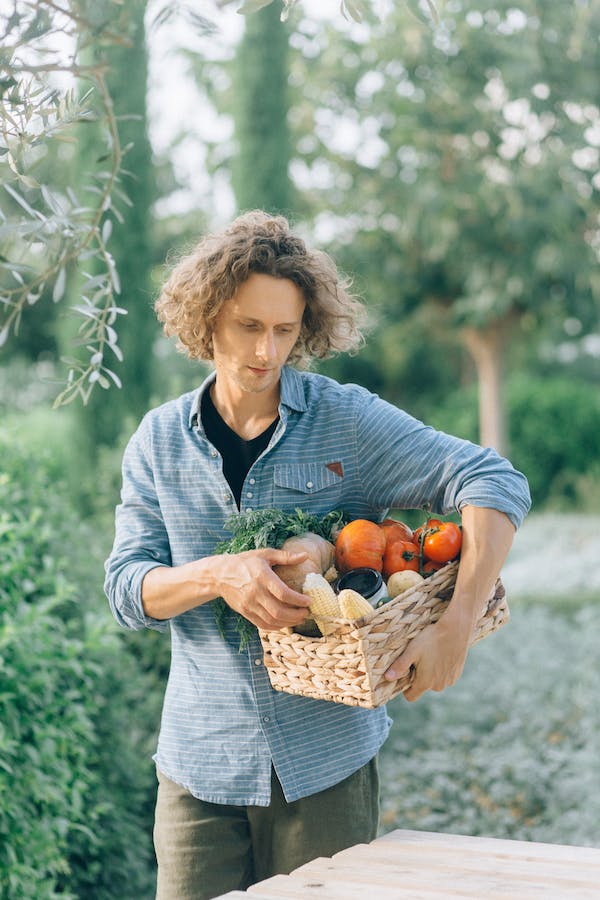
(266,348)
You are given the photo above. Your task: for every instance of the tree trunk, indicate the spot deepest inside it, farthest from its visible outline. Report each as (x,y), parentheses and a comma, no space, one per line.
(486,346)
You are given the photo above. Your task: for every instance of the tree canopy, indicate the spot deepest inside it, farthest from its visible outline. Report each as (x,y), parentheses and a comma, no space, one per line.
(458,169)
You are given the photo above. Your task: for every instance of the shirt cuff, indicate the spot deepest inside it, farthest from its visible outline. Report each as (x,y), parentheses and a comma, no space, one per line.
(132,611)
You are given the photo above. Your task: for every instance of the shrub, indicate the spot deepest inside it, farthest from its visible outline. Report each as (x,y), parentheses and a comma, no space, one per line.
(77,715)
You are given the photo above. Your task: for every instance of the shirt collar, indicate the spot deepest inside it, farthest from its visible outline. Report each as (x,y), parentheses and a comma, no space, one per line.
(292,393)
(194,417)
(292,389)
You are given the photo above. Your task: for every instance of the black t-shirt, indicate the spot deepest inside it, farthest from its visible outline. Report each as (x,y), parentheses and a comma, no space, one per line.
(238,455)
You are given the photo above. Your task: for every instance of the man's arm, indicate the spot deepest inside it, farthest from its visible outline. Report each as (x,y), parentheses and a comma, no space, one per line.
(439,652)
(144,589)
(246,582)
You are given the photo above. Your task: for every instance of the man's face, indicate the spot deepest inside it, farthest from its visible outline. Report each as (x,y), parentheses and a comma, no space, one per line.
(255,332)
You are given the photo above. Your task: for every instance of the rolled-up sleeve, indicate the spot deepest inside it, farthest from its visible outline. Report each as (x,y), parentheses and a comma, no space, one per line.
(141,541)
(426,468)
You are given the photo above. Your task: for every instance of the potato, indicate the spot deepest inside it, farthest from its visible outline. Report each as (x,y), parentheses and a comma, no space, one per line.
(399,582)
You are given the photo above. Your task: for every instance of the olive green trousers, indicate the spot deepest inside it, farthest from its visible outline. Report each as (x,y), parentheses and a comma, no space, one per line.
(204,849)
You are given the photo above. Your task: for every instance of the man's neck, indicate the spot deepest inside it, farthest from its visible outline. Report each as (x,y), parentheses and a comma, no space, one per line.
(246,413)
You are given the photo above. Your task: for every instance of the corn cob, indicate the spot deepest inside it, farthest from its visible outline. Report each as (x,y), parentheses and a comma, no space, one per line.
(324,602)
(353,605)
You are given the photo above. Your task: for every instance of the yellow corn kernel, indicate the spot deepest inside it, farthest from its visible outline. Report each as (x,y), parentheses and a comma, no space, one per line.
(353,605)
(324,602)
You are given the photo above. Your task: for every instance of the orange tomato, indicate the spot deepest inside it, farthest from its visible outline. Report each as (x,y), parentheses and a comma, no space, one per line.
(442,542)
(418,532)
(360,543)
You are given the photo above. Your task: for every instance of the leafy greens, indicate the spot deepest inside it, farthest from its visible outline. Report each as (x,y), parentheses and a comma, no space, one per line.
(260,528)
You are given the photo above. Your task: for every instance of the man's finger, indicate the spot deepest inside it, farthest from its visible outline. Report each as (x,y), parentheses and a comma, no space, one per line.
(400,667)
(412,693)
(287,595)
(277,615)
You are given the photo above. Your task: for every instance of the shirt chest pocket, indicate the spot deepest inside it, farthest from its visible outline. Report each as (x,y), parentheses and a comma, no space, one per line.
(308,485)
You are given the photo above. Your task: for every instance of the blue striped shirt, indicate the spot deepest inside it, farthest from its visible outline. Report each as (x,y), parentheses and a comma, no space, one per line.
(335,447)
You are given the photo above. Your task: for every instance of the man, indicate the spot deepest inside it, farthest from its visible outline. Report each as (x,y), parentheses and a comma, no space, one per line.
(254,782)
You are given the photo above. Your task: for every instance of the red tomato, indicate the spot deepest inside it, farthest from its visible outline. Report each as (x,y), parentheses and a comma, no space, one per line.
(442,541)
(400,555)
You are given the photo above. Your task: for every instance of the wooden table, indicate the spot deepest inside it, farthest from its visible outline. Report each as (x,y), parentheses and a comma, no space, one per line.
(427,866)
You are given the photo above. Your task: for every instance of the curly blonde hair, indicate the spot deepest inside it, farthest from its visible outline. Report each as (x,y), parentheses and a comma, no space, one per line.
(208,276)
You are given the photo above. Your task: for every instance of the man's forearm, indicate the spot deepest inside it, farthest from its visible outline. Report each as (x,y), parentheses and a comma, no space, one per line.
(487,537)
(246,581)
(170,591)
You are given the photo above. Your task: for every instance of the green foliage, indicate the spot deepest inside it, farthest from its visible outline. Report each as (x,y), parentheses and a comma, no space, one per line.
(259,528)
(405,360)
(554,435)
(352,9)
(454,169)
(47,227)
(510,750)
(77,714)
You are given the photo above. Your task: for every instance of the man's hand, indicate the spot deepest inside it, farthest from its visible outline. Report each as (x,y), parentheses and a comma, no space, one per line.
(439,652)
(246,581)
(250,586)
(437,655)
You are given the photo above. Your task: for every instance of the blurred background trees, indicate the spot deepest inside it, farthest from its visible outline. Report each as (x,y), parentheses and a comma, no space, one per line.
(461,180)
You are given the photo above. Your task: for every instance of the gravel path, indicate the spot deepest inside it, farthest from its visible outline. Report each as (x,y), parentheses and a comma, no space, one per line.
(554,554)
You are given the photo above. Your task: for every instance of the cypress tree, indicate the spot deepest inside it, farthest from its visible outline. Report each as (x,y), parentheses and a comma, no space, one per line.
(260,174)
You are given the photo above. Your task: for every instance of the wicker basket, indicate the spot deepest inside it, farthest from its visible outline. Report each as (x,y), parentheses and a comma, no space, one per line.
(348,666)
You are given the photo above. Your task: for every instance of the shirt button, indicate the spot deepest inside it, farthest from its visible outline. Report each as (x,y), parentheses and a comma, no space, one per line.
(249,495)
(309,484)
(266,718)
(253,481)
(258,662)
(213,453)
(227,498)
